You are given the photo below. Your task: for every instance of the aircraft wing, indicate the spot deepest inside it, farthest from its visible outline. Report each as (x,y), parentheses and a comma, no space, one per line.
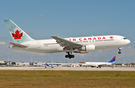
(65,43)
(18,45)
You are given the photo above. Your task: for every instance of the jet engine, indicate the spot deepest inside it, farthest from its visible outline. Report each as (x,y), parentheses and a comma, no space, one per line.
(87,48)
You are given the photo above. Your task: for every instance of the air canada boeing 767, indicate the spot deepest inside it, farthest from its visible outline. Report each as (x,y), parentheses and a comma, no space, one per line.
(82,45)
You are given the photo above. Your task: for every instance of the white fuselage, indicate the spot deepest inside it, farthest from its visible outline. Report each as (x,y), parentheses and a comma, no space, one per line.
(96,64)
(51,46)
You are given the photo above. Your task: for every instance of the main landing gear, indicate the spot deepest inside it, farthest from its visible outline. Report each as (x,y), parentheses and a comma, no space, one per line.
(119,50)
(69,56)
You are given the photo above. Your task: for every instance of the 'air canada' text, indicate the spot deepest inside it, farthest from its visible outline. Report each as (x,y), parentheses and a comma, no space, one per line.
(87,39)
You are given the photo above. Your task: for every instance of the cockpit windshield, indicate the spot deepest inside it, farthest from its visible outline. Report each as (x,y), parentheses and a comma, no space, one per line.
(124,38)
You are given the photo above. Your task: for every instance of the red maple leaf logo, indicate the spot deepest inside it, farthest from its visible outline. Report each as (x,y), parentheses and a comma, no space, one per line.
(17,35)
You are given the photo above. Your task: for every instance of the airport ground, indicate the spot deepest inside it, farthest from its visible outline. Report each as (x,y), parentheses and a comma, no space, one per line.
(72,68)
(66,79)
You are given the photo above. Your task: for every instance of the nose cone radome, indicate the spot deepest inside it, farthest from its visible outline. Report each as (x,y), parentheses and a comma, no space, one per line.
(127,41)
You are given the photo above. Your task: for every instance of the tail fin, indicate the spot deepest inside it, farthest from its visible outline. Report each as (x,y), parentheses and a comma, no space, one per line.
(47,64)
(112,60)
(18,35)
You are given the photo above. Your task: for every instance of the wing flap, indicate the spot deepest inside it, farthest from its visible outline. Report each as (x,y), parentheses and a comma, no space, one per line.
(66,43)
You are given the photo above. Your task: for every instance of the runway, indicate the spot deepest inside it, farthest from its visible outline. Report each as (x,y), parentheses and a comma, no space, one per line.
(71,68)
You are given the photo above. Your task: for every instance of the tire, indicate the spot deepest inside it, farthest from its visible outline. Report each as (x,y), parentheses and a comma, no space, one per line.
(119,52)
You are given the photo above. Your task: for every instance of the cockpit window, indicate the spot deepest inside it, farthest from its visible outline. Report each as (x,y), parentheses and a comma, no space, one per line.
(124,38)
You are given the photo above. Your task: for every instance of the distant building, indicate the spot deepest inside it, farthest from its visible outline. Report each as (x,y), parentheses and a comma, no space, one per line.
(22,64)
(81,62)
(3,62)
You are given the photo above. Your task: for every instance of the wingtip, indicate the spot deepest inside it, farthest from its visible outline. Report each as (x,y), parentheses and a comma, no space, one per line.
(7,20)
(54,36)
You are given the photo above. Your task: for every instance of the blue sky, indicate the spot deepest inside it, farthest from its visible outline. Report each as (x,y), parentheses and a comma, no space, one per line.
(69,18)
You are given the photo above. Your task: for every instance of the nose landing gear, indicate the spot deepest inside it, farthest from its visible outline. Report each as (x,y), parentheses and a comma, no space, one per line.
(119,50)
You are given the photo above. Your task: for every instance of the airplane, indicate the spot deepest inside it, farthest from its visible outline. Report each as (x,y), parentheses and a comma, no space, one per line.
(82,45)
(49,65)
(99,64)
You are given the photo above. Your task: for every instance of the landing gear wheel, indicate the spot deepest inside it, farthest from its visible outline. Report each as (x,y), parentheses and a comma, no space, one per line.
(119,52)
(69,56)
(66,56)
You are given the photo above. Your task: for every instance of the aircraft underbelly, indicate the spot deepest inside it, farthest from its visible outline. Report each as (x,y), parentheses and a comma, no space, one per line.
(42,49)
(48,49)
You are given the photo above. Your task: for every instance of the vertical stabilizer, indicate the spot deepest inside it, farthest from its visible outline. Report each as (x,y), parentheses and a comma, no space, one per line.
(112,60)
(18,35)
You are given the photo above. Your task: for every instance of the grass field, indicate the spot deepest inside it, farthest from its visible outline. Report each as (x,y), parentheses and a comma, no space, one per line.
(66,79)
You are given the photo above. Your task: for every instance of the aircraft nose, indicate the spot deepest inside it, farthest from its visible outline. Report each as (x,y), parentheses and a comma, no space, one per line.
(127,41)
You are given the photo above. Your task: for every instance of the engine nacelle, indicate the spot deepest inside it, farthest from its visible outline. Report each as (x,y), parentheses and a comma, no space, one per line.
(87,48)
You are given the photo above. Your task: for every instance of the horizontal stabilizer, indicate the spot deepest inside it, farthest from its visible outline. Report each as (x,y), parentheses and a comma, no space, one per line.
(18,45)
